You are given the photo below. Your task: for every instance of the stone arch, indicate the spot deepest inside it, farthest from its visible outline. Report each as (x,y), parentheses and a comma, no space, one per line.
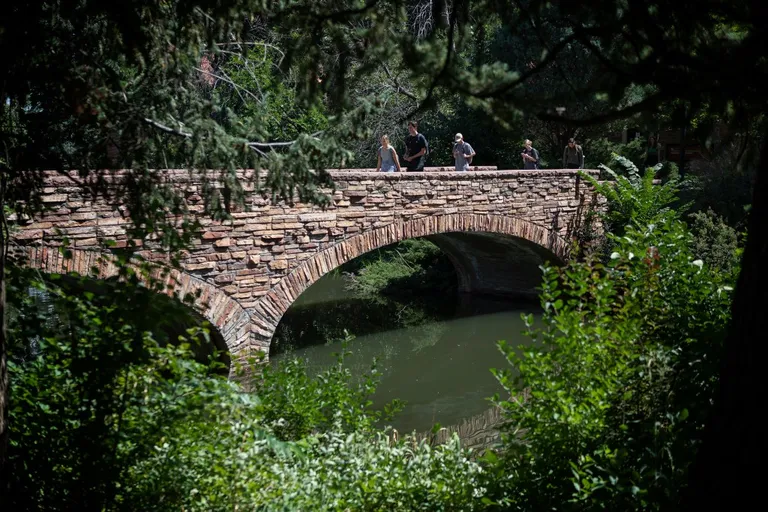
(222,311)
(267,313)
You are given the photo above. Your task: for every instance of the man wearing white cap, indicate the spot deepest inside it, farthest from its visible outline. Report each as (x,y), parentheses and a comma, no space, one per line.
(462,153)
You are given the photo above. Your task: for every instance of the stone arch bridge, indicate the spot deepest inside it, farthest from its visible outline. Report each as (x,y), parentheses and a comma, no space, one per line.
(496,227)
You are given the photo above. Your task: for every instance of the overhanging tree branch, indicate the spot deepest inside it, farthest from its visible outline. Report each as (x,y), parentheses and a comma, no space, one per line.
(645,105)
(254,145)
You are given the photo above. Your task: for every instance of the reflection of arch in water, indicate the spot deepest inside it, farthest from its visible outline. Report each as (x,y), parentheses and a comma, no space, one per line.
(224,313)
(493,254)
(477,432)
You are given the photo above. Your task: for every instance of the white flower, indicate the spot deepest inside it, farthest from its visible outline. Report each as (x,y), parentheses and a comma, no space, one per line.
(698,263)
(615,255)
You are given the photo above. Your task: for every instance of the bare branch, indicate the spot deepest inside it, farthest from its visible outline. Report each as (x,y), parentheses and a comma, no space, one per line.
(397,86)
(253,43)
(273,145)
(423,21)
(230,82)
(167,129)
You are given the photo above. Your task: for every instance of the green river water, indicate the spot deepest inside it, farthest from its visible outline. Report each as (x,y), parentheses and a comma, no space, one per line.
(433,353)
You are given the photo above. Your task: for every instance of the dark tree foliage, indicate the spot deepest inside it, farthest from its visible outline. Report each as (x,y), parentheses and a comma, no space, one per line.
(88,85)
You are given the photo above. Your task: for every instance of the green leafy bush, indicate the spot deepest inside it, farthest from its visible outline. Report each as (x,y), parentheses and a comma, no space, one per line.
(715,242)
(96,383)
(633,199)
(619,381)
(599,152)
(294,404)
(333,471)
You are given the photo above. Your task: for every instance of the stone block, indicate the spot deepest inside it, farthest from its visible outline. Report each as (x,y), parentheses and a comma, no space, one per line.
(87,242)
(317,217)
(54,198)
(83,216)
(223,278)
(354,214)
(193,267)
(278,265)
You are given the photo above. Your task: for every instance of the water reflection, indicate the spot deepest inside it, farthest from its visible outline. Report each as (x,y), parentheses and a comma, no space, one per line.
(435,355)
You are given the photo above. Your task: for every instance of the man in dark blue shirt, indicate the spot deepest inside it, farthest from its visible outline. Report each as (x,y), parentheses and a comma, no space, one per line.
(415,148)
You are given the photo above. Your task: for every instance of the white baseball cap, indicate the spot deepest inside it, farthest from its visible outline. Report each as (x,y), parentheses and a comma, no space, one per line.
(458,137)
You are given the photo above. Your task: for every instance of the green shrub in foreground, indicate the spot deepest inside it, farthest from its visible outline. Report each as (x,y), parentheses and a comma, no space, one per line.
(108,416)
(619,381)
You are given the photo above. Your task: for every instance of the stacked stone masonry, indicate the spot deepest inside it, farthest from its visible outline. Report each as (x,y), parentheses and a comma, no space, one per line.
(250,269)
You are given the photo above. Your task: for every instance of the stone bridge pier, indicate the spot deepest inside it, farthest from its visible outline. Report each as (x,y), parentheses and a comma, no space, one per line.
(496,227)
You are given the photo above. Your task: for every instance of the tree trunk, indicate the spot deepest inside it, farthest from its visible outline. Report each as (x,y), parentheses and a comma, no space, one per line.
(727,472)
(4,382)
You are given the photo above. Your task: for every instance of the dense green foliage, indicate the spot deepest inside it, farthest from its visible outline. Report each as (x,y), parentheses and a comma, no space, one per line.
(108,412)
(620,379)
(715,242)
(633,199)
(109,415)
(296,405)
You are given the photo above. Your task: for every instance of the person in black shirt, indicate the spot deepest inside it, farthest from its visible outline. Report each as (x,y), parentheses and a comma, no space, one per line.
(415,148)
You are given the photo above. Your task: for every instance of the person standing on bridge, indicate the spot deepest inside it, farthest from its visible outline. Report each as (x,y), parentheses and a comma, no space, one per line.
(416,148)
(388,161)
(573,156)
(462,153)
(530,156)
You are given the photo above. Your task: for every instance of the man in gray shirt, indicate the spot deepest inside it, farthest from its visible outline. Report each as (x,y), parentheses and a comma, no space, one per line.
(462,153)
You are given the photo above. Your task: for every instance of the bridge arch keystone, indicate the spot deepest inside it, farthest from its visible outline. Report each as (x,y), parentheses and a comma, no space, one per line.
(269,310)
